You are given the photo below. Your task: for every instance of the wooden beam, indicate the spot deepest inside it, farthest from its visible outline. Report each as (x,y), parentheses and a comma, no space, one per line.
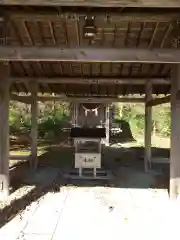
(158,101)
(91,80)
(148,126)
(96,3)
(113,16)
(27,99)
(22,99)
(34,125)
(4,132)
(136,55)
(175,134)
(92,99)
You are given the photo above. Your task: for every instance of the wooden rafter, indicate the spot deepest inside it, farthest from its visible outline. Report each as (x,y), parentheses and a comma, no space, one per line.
(39,28)
(61,68)
(40,70)
(154,34)
(16,33)
(166,34)
(28,35)
(141,55)
(140,33)
(127,35)
(51,28)
(114,35)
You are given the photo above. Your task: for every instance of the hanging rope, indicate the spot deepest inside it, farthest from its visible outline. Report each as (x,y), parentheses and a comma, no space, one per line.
(91,107)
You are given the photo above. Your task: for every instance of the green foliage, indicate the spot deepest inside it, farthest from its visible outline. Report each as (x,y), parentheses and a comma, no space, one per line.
(134,114)
(162,120)
(51,118)
(51,126)
(19,118)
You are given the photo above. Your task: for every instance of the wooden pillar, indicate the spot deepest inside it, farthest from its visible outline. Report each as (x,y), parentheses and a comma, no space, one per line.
(175,134)
(34,125)
(71,107)
(148,126)
(4,130)
(76,115)
(107,124)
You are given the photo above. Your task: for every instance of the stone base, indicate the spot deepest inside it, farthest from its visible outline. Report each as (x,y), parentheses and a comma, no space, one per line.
(88,174)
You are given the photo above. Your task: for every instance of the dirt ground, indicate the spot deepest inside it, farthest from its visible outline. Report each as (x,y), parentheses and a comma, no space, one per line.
(125,162)
(116,157)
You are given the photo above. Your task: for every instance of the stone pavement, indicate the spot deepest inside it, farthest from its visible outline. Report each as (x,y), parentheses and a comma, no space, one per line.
(97,213)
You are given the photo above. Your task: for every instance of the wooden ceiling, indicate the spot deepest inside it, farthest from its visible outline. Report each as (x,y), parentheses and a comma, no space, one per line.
(62,27)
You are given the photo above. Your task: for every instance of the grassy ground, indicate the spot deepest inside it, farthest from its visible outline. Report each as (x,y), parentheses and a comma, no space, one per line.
(25,152)
(157,141)
(126,164)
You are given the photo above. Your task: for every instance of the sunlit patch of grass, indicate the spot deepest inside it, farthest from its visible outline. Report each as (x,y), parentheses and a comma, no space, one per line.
(157,141)
(20,152)
(25,152)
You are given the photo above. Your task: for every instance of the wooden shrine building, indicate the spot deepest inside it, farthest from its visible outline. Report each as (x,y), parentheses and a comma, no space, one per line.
(100,51)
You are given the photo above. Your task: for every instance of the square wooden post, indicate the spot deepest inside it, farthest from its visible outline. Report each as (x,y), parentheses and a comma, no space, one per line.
(175,133)
(34,125)
(107,124)
(4,130)
(76,115)
(71,107)
(148,126)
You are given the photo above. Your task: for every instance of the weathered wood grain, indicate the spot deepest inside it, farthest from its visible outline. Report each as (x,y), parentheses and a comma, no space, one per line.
(34,124)
(100,16)
(175,134)
(137,55)
(95,3)
(90,80)
(4,132)
(27,99)
(148,126)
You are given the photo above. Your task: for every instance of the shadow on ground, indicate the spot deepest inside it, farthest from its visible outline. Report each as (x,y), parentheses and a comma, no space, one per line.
(126,164)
